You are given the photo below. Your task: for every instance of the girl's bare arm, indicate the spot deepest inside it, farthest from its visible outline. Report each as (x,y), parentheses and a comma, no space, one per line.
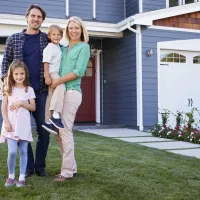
(29,106)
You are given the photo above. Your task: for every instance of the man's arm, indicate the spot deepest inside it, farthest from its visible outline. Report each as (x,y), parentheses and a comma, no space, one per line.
(8,57)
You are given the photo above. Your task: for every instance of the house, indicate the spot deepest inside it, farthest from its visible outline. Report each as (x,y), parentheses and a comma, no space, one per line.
(146,55)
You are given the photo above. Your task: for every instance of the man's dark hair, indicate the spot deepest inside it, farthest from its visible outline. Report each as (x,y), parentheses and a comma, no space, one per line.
(36,7)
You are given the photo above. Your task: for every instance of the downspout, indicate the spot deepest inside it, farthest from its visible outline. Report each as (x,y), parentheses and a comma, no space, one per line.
(138,74)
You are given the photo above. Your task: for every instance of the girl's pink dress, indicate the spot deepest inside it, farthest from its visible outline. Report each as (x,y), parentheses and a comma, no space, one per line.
(20,120)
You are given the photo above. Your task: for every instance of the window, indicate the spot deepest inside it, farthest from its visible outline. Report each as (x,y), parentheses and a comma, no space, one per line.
(189,1)
(173,57)
(196,60)
(171,3)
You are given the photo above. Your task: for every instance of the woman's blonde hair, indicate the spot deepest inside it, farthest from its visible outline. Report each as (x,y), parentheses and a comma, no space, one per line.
(54,26)
(78,20)
(10,80)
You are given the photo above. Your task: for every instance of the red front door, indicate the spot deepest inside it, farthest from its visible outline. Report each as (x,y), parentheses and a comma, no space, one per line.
(86,111)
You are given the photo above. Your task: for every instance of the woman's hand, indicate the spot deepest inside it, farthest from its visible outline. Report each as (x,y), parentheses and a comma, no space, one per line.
(7,126)
(55,83)
(48,80)
(16,105)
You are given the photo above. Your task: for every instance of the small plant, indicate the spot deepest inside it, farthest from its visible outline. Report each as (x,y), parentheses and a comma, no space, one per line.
(179,118)
(187,133)
(190,116)
(165,116)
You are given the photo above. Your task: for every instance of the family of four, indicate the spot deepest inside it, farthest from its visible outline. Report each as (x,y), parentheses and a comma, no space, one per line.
(43,78)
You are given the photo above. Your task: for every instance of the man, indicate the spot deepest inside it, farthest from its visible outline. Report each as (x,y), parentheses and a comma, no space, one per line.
(28,46)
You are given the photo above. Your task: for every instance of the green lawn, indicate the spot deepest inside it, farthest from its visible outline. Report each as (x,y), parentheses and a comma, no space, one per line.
(110,169)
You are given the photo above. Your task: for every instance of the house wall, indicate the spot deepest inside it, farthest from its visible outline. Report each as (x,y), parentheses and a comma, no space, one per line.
(150,38)
(119,80)
(150,5)
(54,9)
(110,11)
(132,7)
(106,11)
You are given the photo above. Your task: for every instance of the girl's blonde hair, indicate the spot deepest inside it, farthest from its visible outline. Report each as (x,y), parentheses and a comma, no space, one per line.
(54,26)
(78,20)
(10,80)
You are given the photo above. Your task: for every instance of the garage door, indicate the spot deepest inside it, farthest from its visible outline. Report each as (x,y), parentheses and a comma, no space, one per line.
(179,83)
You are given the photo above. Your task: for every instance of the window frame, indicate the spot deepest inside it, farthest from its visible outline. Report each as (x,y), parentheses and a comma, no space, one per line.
(173,57)
(180,2)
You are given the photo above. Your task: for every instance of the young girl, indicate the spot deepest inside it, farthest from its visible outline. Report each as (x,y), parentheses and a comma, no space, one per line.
(51,59)
(16,127)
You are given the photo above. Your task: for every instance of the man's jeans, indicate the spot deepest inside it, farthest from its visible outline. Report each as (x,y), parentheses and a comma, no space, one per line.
(43,136)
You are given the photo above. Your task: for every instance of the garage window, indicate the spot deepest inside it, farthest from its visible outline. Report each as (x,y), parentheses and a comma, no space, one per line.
(171,3)
(173,57)
(196,60)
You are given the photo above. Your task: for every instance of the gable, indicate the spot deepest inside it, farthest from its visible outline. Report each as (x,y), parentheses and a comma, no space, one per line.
(189,21)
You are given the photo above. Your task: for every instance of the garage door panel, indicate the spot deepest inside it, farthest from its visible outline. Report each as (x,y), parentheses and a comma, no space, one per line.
(179,84)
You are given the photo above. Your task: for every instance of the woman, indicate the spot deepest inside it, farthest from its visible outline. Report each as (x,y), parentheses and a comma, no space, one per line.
(74,62)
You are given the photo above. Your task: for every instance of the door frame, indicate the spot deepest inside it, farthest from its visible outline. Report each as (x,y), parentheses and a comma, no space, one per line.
(98,86)
(184,45)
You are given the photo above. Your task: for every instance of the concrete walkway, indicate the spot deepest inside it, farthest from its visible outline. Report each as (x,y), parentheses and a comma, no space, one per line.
(146,139)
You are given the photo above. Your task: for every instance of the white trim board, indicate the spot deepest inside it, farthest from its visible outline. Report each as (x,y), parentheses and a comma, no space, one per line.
(98,87)
(174,29)
(11,23)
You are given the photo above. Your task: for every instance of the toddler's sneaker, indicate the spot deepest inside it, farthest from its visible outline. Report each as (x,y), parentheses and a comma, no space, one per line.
(10,182)
(50,128)
(56,122)
(20,183)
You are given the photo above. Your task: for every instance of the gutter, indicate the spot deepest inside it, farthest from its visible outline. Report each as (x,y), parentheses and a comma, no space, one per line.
(138,73)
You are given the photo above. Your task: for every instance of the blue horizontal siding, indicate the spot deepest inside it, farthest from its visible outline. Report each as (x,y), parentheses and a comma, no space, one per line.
(132,7)
(150,38)
(81,8)
(119,71)
(150,5)
(111,11)
(54,9)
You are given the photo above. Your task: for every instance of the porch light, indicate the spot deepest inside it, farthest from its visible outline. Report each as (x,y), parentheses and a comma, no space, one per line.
(150,52)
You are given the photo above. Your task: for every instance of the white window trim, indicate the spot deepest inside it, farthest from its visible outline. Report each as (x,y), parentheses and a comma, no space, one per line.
(94,9)
(67,8)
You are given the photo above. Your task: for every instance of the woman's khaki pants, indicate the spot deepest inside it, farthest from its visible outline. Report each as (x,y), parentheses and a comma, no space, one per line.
(65,139)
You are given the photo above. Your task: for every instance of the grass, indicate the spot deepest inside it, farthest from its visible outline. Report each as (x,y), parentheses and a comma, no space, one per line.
(110,169)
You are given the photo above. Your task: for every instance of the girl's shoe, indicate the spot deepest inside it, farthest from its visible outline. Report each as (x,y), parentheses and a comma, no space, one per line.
(20,183)
(10,182)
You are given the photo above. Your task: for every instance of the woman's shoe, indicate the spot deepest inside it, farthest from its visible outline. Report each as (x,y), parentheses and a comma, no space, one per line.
(60,178)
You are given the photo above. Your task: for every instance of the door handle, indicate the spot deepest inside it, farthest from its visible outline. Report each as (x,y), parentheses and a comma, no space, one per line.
(191,102)
(188,102)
